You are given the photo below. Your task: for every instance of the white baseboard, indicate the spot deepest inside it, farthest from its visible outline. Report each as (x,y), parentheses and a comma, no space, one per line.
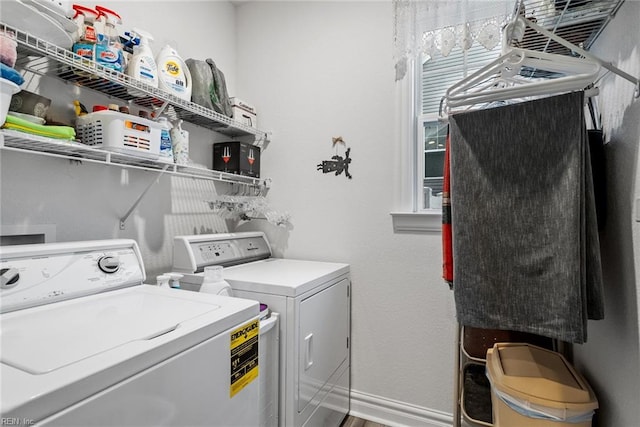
(394,413)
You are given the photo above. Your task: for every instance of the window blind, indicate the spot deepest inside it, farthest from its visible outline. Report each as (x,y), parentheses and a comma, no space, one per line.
(440,72)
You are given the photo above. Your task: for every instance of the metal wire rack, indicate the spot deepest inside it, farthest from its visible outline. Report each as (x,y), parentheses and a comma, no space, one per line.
(577,21)
(43,58)
(11,140)
(580,22)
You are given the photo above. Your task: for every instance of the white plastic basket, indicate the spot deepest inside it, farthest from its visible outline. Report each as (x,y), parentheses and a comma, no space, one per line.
(121,133)
(7,90)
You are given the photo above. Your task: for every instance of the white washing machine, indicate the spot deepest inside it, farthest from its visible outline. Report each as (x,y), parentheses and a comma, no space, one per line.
(86,343)
(313,301)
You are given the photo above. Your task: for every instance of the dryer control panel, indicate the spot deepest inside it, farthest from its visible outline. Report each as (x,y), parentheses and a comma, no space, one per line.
(32,275)
(191,254)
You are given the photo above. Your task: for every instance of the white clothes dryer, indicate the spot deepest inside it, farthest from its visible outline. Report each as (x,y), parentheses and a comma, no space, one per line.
(86,343)
(312,299)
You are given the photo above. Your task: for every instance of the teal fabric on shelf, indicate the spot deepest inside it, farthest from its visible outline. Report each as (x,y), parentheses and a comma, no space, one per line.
(10,74)
(525,239)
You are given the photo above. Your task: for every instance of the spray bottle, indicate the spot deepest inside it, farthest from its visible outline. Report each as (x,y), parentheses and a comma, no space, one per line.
(85,17)
(108,48)
(142,66)
(87,38)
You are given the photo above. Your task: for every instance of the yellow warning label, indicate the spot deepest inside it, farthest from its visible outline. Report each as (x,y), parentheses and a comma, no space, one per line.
(244,356)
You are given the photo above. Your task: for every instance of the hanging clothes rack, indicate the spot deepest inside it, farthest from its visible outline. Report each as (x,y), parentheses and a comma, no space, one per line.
(500,80)
(508,77)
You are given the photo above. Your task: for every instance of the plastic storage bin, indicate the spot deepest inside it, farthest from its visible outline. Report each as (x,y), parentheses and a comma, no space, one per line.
(121,133)
(243,112)
(7,89)
(535,387)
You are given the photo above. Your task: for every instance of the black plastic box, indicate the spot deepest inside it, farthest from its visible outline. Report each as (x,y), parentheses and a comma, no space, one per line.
(237,157)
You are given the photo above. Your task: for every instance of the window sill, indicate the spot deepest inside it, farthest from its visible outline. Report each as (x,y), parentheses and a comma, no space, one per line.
(427,221)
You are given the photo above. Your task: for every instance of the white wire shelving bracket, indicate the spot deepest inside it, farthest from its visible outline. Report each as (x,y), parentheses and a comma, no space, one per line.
(123,220)
(568,27)
(608,65)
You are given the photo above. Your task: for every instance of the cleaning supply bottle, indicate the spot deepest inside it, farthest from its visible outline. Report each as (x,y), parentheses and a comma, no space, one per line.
(85,46)
(214,283)
(142,66)
(85,18)
(108,48)
(180,143)
(166,148)
(163,280)
(173,74)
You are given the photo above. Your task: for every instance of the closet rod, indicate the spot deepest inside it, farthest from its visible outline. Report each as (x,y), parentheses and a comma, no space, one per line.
(608,65)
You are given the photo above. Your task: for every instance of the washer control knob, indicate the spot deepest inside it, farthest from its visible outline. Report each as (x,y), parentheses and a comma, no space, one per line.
(9,277)
(109,264)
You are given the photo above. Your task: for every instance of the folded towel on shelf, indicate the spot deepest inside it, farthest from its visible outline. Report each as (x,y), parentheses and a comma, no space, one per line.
(525,243)
(57,132)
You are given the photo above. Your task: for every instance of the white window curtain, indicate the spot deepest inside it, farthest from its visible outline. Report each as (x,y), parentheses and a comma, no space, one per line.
(427,28)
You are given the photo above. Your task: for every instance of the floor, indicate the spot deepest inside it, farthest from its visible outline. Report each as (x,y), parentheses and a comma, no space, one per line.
(359,422)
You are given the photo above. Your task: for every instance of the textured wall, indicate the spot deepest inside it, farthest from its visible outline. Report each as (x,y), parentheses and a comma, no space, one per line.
(317,70)
(611,357)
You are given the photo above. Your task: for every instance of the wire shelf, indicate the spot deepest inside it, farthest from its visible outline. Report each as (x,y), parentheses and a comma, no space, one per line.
(11,140)
(43,58)
(577,21)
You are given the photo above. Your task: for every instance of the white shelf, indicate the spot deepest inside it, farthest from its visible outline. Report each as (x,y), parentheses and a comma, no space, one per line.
(43,58)
(11,140)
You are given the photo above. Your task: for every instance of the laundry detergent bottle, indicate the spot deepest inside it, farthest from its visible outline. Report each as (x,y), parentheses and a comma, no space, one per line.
(142,66)
(166,148)
(173,74)
(214,283)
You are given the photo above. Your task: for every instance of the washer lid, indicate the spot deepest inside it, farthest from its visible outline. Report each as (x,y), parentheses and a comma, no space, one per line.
(50,337)
(55,355)
(278,276)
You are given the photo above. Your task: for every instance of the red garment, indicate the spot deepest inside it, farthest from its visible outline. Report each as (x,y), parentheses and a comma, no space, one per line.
(447,248)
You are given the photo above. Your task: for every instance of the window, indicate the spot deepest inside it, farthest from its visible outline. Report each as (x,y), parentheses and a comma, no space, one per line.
(432,144)
(424,133)
(435,75)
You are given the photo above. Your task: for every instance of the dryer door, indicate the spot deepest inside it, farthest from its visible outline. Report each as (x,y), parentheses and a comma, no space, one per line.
(323,339)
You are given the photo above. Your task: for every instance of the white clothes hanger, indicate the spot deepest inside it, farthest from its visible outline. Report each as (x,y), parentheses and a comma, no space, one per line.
(499,80)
